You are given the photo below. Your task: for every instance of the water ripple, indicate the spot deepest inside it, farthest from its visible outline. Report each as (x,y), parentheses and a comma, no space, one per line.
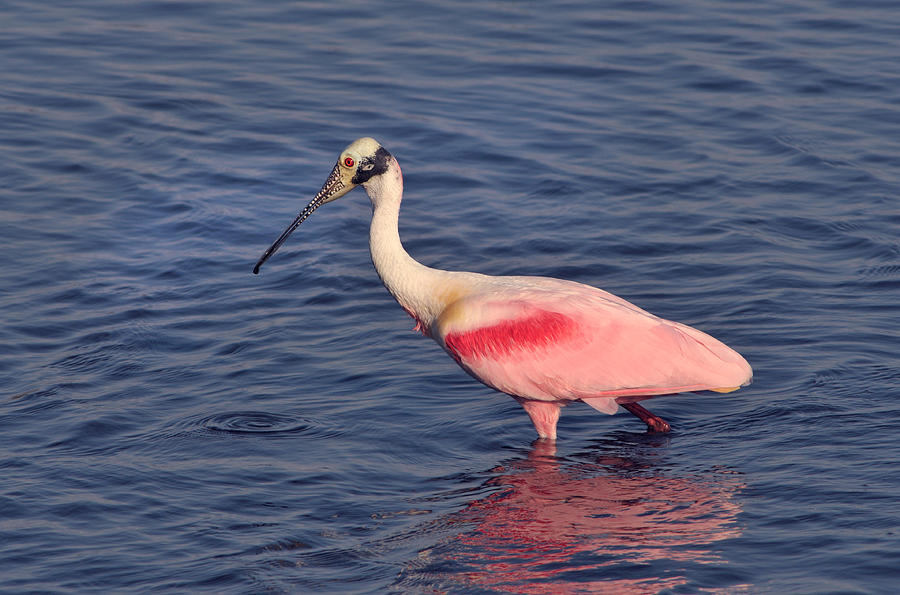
(258,422)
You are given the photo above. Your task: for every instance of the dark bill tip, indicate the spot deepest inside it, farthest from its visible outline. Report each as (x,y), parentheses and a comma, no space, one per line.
(312,206)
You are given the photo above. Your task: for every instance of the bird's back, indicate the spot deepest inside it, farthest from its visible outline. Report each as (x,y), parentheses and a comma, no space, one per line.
(547,339)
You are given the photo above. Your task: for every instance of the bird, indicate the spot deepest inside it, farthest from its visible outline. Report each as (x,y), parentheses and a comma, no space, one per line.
(546,342)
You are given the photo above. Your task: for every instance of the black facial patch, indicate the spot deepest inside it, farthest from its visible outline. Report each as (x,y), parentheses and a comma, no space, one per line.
(375,165)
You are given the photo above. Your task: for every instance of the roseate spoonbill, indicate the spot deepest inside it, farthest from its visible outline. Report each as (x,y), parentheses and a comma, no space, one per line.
(545,342)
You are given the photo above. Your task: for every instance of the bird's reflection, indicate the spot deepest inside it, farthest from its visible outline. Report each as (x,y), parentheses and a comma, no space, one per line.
(579,525)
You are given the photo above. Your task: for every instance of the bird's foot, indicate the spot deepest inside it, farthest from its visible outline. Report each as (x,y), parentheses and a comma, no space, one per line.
(658,424)
(654,422)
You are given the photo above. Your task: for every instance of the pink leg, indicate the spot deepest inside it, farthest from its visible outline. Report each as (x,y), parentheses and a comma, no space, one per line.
(544,416)
(654,423)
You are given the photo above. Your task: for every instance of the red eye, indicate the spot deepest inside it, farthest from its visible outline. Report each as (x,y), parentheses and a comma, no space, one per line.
(348,162)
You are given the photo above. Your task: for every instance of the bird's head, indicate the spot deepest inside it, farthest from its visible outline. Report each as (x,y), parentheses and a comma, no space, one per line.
(359,163)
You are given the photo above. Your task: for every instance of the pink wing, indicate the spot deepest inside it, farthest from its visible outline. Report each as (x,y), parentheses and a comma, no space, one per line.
(566,341)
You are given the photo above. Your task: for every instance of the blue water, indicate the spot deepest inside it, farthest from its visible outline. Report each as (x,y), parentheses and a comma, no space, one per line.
(172,423)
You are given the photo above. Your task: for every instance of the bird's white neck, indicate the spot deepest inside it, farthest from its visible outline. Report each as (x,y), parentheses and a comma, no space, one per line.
(422,291)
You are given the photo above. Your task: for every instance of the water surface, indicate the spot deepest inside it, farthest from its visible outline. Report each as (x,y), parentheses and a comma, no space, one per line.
(172,423)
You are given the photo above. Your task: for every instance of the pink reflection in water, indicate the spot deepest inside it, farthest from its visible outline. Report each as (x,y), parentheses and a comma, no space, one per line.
(554,520)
